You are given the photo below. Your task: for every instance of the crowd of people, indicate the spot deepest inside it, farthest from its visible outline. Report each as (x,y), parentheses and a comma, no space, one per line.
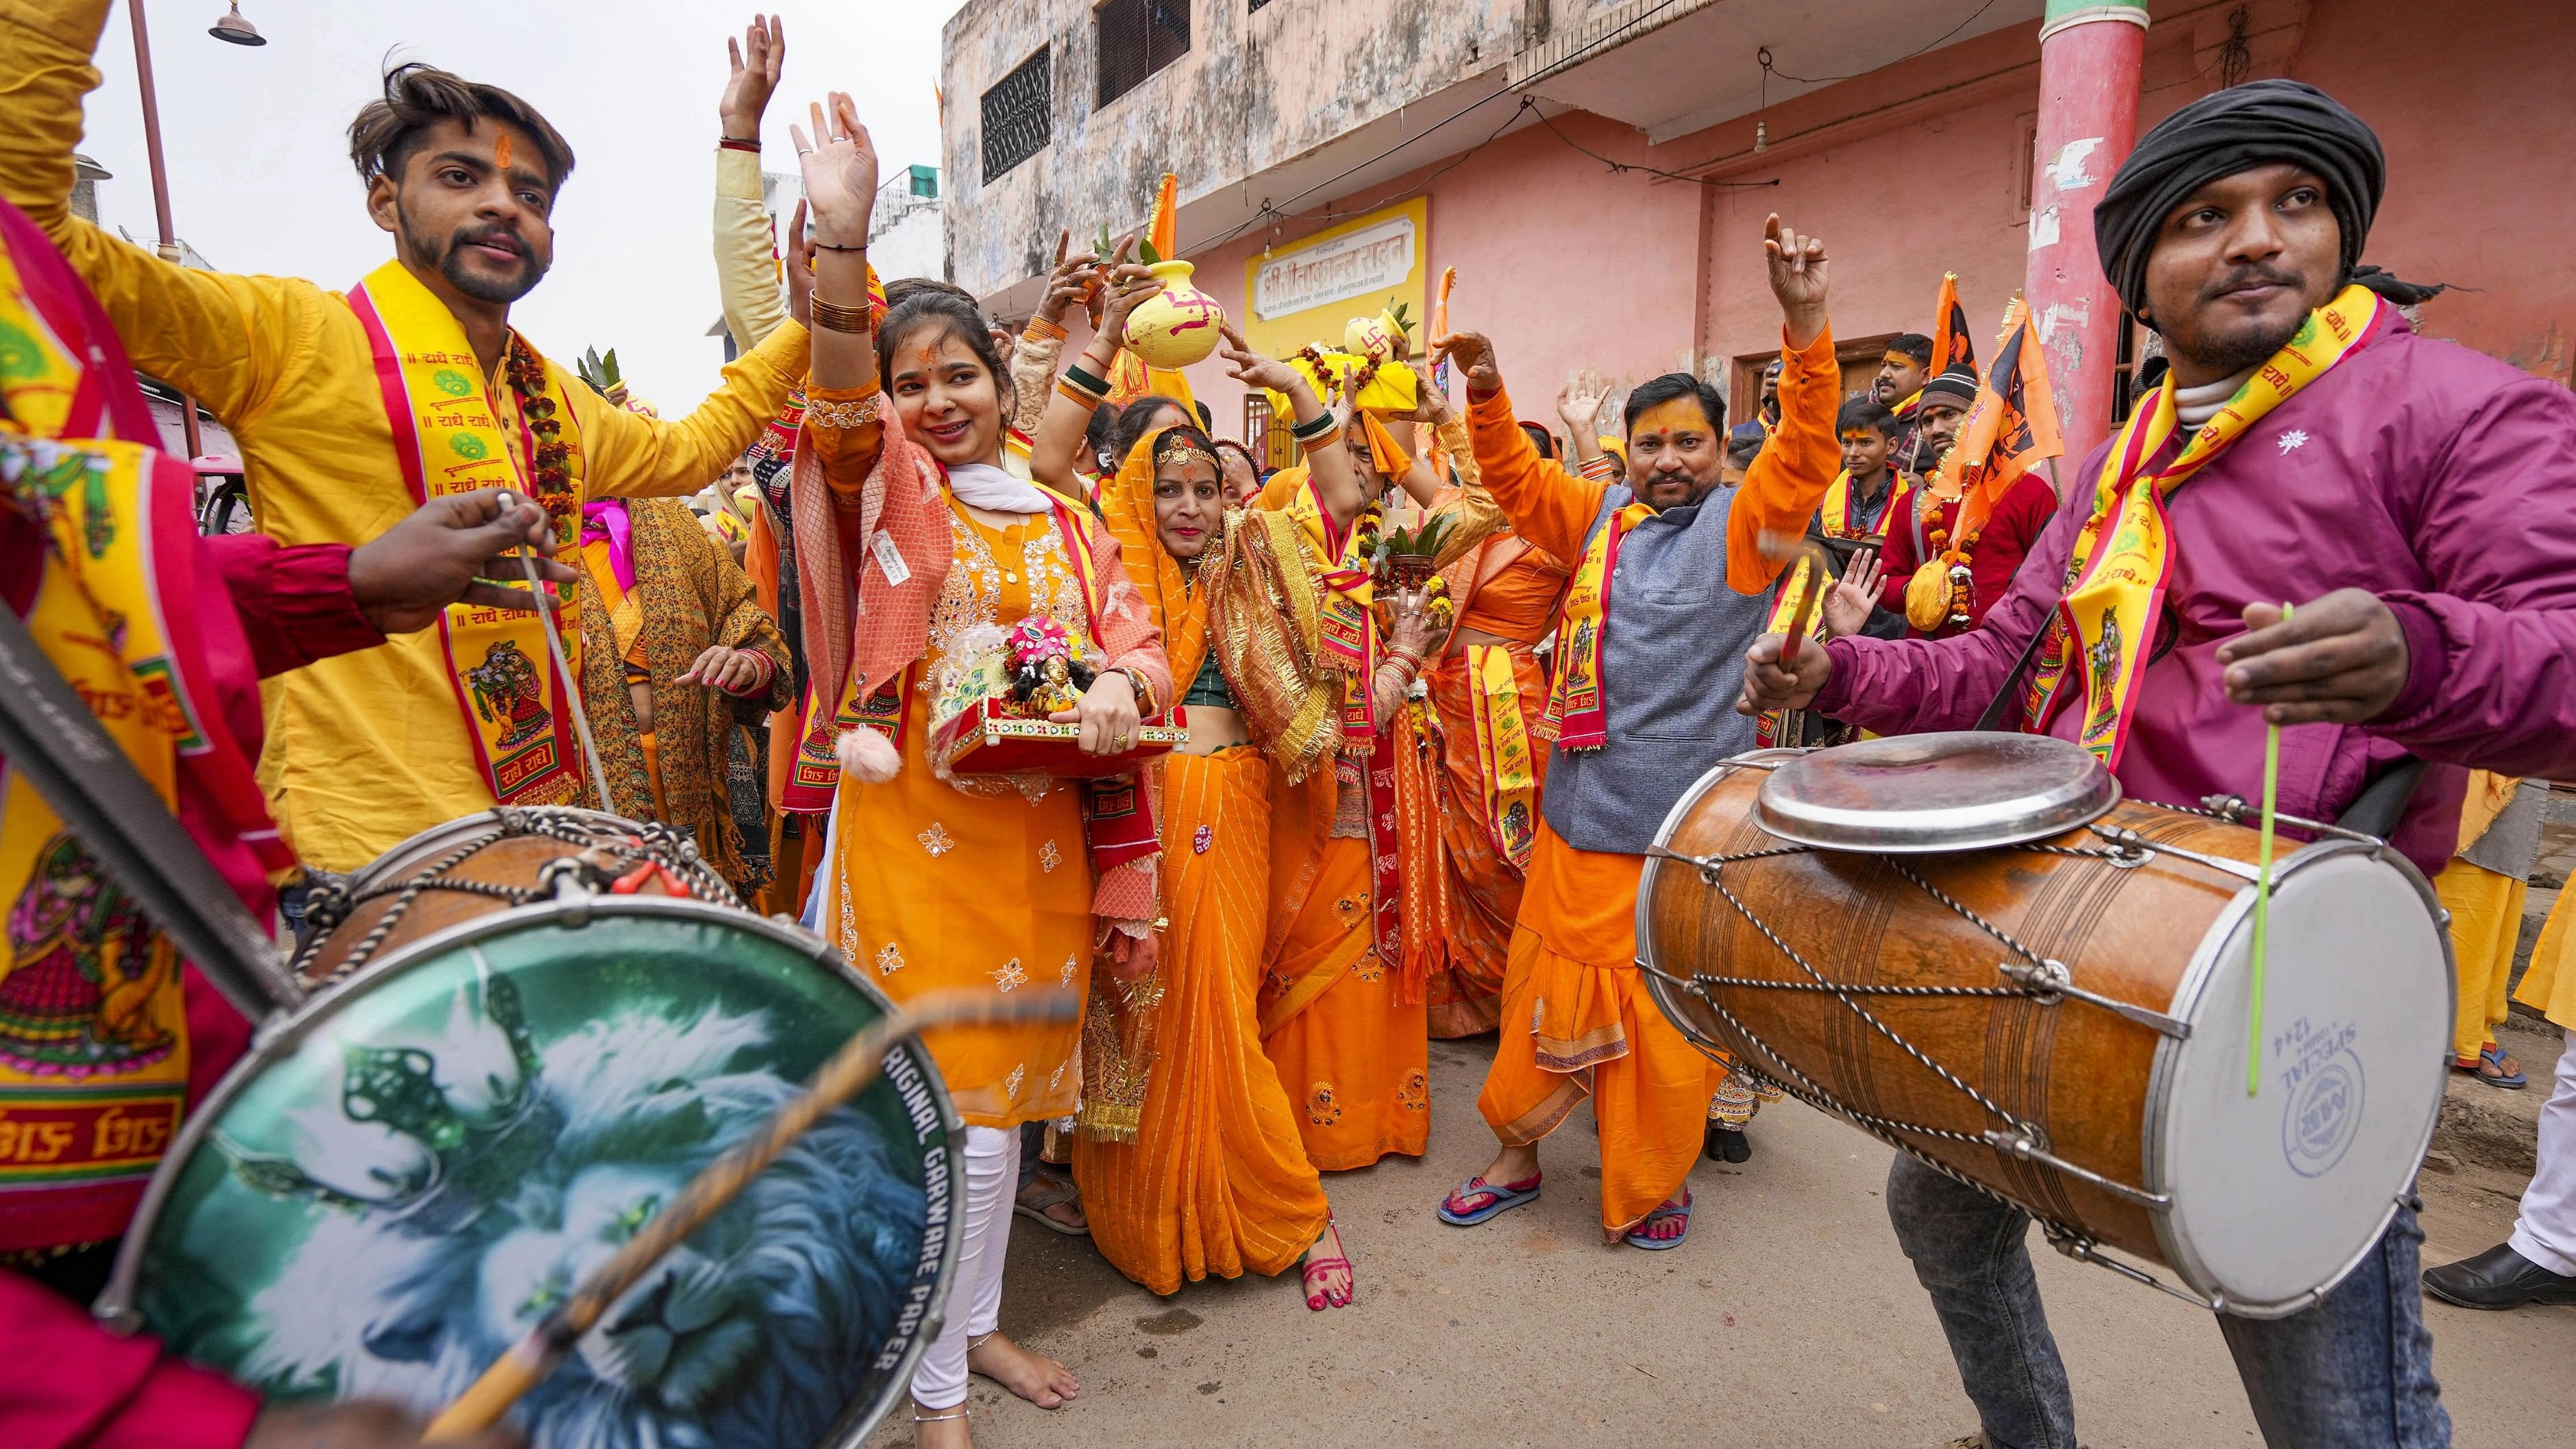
(1406,807)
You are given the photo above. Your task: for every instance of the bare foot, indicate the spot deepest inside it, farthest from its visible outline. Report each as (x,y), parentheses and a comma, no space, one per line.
(1033,1376)
(932,1429)
(1326,1269)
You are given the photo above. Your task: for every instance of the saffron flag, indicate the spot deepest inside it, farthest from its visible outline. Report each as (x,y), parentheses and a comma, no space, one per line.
(1951,346)
(2010,426)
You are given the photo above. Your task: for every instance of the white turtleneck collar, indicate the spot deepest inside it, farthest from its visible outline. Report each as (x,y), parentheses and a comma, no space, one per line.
(2194,406)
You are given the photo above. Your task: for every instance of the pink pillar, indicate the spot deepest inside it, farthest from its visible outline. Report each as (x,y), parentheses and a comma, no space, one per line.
(2089,54)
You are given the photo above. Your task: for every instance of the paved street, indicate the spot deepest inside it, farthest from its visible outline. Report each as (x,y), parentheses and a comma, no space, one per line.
(1789,1318)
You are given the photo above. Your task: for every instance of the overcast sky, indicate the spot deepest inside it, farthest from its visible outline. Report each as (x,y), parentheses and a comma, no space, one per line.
(260,179)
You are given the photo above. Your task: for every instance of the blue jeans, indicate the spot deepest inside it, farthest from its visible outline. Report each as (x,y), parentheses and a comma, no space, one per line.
(2354,1370)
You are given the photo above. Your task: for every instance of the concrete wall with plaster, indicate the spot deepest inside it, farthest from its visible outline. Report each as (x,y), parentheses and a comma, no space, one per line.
(1255,90)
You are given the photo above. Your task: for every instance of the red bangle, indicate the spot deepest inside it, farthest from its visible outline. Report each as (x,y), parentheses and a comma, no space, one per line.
(728,143)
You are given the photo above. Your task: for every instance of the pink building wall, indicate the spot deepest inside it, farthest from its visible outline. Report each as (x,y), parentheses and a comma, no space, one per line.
(1921,168)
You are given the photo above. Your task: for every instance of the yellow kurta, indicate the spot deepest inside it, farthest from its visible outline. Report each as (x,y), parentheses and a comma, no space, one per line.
(367,748)
(969,883)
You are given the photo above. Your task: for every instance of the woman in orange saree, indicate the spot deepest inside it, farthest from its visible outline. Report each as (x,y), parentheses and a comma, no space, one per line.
(1342,1002)
(1185,1147)
(1486,689)
(913,559)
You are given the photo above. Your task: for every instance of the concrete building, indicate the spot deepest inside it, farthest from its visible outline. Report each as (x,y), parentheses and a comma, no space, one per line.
(1598,171)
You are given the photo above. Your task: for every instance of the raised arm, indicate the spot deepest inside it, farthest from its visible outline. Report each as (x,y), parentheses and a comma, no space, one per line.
(634,456)
(1041,342)
(1473,514)
(1337,484)
(746,266)
(1057,442)
(227,341)
(1548,506)
(1578,406)
(1798,462)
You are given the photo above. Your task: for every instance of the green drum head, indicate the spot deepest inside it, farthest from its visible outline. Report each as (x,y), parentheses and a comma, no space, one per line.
(394,1188)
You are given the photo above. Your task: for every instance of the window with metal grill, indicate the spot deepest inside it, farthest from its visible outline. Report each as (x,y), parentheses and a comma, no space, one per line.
(1017,123)
(1138,38)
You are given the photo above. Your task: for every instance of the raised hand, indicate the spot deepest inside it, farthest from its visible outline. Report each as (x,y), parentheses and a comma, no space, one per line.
(1072,280)
(1797,266)
(840,169)
(800,269)
(757,59)
(1472,354)
(1255,369)
(1579,401)
(1847,606)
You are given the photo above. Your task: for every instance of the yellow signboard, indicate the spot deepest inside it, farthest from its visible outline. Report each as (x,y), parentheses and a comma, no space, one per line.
(1306,292)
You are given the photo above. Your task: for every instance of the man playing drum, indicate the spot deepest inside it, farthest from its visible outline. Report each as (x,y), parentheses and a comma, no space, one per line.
(2335,460)
(94,529)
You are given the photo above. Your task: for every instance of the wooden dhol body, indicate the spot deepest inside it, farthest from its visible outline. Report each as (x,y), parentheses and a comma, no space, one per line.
(2099,1086)
(496,849)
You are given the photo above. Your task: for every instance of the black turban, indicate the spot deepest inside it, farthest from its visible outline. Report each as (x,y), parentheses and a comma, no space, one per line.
(2237,129)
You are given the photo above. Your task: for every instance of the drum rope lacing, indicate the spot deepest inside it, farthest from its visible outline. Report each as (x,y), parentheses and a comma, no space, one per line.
(2044,981)
(332,902)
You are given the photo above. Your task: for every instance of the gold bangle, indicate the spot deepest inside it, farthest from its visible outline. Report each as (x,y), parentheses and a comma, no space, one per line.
(833,317)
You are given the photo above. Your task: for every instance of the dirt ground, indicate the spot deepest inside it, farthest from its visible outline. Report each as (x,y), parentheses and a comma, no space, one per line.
(1789,1318)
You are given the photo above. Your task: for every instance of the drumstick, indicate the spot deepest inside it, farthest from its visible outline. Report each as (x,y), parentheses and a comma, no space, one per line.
(2263,896)
(848,1073)
(563,669)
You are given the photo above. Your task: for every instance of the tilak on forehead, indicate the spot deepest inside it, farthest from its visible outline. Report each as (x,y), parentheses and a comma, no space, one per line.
(1672,415)
(501,152)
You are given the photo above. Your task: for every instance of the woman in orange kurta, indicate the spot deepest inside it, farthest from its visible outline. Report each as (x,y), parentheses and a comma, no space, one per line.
(937,880)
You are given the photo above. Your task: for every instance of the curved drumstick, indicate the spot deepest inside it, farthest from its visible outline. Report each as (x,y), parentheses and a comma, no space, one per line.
(848,1073)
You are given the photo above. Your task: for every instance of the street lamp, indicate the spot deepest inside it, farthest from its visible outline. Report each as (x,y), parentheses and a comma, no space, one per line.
(236,30)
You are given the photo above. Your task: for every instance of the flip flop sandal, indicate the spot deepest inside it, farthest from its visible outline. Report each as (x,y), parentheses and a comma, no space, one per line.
(1319,1298)
(2510,1077)
(1636,1236)
(1504,1200)
(1034,1205)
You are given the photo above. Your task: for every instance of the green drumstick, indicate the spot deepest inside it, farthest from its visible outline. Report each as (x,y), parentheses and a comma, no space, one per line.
(2263,896)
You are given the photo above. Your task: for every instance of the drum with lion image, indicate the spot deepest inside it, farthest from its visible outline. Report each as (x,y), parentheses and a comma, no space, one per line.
(410,1170)
(1971,947)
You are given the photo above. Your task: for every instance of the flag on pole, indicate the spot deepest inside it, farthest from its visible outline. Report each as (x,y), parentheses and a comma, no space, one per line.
(2010,426)
(1951,346)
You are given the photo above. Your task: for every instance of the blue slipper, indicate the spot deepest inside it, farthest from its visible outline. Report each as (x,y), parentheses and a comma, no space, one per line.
(2493,1056)
(1636,1236)
(1504,1200)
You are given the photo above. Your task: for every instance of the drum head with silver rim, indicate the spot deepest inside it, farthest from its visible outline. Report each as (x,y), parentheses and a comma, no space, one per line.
(1958,790)
(2278,1194)
(412,1168)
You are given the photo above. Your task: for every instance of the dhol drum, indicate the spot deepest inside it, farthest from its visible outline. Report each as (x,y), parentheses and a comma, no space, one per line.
(1967,945)
(411,1169)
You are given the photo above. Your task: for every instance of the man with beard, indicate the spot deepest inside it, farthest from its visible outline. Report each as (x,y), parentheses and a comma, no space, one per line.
(351,409)
(1638,711)
(1899,383)
(2271,465)
(1923,531)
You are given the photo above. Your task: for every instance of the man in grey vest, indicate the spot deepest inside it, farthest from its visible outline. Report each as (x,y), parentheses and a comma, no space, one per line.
(1671,584)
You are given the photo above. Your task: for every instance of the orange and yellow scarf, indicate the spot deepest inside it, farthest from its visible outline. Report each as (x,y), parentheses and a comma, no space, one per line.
(2103,629)
(1578,713)
(1349,627)
(450,437)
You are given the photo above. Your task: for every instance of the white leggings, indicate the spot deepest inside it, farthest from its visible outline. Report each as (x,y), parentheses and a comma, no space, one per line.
(2546,1231)
(975,1298)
